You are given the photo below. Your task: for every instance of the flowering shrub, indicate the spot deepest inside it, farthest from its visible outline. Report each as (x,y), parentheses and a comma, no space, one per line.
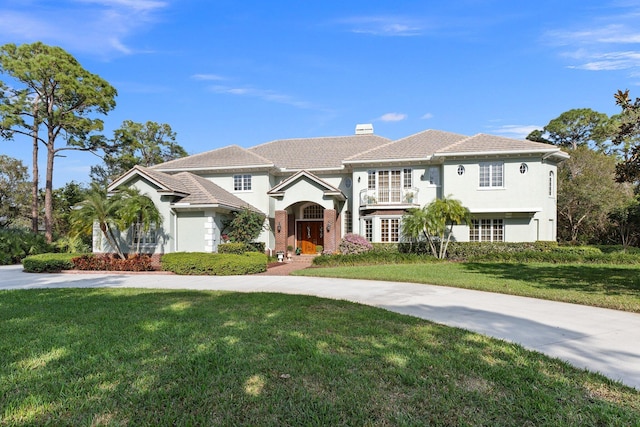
(354,244)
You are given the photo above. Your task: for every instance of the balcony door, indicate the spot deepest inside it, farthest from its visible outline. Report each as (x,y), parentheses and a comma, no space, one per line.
(389,186)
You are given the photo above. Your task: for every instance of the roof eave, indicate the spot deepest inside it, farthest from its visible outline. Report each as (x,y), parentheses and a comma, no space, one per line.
(496,153)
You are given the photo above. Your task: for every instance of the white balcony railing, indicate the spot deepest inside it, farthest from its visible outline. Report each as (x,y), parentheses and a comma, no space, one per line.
(389,196)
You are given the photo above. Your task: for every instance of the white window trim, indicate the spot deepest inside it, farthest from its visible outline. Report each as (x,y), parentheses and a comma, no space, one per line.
(243,183)
(490,187)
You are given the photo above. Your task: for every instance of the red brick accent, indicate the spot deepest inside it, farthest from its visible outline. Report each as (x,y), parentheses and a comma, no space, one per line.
(281,236)
(291,231)
(330,230)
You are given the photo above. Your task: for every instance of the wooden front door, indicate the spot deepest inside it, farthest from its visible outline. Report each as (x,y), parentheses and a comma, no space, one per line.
(309,236)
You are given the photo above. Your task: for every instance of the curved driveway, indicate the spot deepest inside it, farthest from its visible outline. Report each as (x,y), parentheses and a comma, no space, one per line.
(601,340)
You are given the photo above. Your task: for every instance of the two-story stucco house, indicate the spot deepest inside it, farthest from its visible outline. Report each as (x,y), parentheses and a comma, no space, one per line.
(314,190)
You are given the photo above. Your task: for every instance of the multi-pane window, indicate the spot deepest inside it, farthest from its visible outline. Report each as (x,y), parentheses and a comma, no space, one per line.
(313,212)
(408,178)
(551,183)
(486,230)
(242,183)
(371,180)
(389,229)
(368,229)
(434,175)
(348,222)
(138,235)
(492,174)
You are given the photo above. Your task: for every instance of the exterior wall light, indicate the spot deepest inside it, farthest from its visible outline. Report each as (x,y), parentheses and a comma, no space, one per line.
(279,227)
(329,227)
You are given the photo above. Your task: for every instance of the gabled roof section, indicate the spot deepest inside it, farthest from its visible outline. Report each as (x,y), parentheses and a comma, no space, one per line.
(204,192)
(229,157)
(492,144)
(328,189)
(316,153)
(420,146)
(166,184)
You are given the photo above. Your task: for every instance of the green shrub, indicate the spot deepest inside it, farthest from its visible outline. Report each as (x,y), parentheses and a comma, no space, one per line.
(560,257)
(370,258)
(220,264)
(386,247)
(232,248)
(17,243)
(71,245)
(462,251)
(256,247)
(49,263)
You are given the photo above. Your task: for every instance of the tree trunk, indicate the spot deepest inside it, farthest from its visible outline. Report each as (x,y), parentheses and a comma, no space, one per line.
(48,194)
(34,187)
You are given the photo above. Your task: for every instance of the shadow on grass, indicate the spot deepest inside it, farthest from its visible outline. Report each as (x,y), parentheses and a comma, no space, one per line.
(99,356)
(587,278)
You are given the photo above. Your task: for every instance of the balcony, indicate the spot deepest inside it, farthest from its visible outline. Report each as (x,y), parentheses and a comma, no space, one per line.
(394,197)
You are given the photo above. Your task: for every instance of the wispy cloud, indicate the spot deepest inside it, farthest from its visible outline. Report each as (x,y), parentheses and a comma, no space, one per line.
(427,116)
(392,117)
(265,95)
(389,26)
(207,77)
(515,131)
(100,27)
(604,43)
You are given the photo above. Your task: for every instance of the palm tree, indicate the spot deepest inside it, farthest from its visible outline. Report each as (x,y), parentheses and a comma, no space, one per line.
(127,208)
(138,211)
(435,222)
(96,208)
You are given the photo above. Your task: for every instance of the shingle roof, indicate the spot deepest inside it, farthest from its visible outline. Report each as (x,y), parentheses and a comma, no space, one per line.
(204,192)
(316,153)
(492,143)
(418,146)
(165,181)
(230,156)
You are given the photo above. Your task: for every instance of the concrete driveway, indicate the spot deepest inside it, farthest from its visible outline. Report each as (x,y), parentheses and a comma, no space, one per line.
(601,340)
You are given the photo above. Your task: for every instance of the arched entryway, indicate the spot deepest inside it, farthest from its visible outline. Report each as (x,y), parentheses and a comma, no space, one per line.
(310,229)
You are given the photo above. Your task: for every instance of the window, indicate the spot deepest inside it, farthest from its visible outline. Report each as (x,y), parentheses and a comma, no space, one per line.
(371,180)
(368,229)
(460,170)
(389,229)
(523,168)
(313,212)
(348,222)
(138,236)
(491,174)
(408,178)
(551,183)
(434,175)
(486,230)
(242,183)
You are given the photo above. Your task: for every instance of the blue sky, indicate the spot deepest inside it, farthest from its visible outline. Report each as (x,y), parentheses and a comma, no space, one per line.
(224,72)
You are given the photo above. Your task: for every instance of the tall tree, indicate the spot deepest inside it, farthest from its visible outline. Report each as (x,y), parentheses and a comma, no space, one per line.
(434,222)
(52,92)
(574,128)
(133,144)
(14,192)
(628,132)
(587,194)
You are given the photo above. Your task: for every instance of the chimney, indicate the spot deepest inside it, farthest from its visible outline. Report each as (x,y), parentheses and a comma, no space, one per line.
(364,129)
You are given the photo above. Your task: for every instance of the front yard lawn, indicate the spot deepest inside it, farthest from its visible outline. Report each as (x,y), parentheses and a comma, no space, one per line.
(142,357)
(600,285)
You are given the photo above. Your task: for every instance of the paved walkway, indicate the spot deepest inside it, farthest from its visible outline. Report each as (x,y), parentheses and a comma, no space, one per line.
(601,340)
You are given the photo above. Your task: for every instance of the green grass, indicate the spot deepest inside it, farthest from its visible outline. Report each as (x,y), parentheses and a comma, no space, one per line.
(600,285)
(138,357)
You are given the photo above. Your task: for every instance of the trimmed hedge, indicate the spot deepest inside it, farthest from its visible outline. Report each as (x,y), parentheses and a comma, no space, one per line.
(240,248)
(220,264)
(371,258)
(49,263)
(462,251)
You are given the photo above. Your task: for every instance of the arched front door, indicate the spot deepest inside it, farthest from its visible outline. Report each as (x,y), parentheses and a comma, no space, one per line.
(309,233)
